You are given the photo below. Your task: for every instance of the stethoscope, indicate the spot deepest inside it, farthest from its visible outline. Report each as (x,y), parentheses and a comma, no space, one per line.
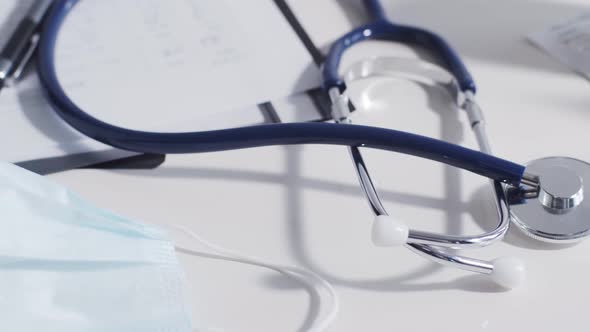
(546,201)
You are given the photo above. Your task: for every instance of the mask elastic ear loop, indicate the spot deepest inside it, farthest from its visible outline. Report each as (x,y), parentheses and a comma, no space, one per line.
(309,279)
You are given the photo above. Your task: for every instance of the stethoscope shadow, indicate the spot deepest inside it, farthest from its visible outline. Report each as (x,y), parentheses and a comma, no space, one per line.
(451,130)
(295,183)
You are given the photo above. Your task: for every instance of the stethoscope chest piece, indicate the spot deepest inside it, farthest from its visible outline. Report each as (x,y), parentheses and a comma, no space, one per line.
(559,213)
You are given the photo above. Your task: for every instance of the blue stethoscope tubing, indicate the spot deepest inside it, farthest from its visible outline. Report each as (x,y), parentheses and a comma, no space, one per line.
(281,134)
(380,28)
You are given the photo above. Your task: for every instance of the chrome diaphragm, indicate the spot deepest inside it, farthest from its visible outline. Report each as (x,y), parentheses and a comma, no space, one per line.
(559,213)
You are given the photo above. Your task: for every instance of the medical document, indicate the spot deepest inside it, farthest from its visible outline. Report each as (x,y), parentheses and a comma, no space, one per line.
(568,42)
(161,65)
(174,65)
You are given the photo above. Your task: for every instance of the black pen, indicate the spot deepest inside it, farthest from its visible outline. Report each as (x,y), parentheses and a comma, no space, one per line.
(21,45)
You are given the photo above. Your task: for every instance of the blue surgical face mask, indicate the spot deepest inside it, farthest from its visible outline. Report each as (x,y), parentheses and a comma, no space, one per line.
(68,266)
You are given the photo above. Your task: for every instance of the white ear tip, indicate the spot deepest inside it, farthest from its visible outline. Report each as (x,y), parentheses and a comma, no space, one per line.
(509,272)
(387,232)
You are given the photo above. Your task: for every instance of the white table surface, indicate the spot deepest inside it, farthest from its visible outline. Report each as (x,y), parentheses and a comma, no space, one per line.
(301,205)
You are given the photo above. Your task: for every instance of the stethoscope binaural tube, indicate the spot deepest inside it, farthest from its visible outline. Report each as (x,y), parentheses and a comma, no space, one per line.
(254,136)
(389,231)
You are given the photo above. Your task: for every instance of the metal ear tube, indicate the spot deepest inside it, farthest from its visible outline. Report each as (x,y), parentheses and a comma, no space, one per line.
(505,271)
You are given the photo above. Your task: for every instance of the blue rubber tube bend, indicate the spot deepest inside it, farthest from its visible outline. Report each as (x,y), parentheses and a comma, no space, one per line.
(254,136)
(380,28)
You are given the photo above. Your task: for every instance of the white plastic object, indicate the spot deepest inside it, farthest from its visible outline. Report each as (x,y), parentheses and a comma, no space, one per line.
(387,232)
(508,272)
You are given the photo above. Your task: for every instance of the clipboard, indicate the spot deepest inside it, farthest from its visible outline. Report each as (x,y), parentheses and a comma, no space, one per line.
(311,105)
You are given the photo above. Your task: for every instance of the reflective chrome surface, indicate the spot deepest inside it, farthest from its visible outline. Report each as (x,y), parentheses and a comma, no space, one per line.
(562,189)
(426,244)
(559,214)
(5,66)
(441,257)
(22,64)
(366,183)
(531,180)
